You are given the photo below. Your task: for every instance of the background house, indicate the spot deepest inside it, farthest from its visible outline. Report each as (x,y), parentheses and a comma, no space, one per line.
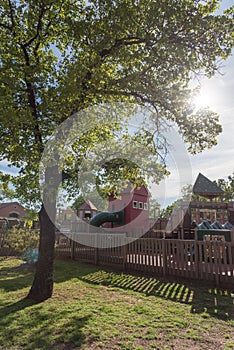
(12,210)
(87,210)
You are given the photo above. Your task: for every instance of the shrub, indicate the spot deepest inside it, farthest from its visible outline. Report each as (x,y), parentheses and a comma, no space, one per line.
(24,242)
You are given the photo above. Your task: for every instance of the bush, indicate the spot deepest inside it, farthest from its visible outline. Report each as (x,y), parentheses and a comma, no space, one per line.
(24,242)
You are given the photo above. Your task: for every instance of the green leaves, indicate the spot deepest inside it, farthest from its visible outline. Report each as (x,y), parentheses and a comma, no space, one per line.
(6,192)
(59,57)
(199,130)
(227,185)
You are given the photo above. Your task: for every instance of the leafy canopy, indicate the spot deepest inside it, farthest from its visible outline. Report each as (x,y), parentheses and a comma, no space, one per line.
(59,57)
(227,185)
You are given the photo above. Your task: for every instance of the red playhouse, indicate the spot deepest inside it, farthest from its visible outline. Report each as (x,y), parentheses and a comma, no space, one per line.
(128,213)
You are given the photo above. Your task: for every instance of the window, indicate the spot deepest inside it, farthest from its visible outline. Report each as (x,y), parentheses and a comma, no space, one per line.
(13,215)
(134,204)
(145,206)
(87,216)
(208,214)
(140,205)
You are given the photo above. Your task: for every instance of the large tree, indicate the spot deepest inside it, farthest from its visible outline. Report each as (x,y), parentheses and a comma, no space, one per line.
(59,57)
(227,185)
(6,193)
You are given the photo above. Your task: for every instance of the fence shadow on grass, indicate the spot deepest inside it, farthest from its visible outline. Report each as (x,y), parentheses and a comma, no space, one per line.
(66,270)
(202,297)
(213,301)
(205,299)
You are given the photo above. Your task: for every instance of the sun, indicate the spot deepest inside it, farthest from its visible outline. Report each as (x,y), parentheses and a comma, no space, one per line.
(203,100)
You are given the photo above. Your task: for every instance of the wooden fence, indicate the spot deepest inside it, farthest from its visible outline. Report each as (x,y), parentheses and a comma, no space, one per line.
(193,259)
(5,251)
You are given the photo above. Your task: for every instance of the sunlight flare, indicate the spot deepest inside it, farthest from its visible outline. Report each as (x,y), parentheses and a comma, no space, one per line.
(202,100)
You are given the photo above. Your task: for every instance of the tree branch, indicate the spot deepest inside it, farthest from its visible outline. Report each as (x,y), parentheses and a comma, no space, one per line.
(39,27)
(32,101)
(135,94)
(121,42)
(11,14)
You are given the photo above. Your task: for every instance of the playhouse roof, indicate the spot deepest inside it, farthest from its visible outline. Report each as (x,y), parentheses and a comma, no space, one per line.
(142,190)
(206,188)
(88,205)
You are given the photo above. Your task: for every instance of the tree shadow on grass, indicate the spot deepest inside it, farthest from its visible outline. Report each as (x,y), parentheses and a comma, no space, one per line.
(15,307)
(206,299)
(16,283)
(42,325)
(39,328)
(15,278)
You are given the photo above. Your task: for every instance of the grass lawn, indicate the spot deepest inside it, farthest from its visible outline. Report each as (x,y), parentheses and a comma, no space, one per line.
(93,308)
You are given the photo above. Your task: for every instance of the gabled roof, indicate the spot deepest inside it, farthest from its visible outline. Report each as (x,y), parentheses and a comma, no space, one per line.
(206,188)
(88,205)
(7,204)
(130,189)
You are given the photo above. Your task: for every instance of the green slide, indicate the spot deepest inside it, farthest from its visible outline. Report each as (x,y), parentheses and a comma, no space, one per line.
(116,217)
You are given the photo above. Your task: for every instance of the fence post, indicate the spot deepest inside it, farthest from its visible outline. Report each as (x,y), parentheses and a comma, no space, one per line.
(125,252)
(164,252)
(96,256)
(196,254)
(72,248)
(232,246)
(216,261)
(96,250)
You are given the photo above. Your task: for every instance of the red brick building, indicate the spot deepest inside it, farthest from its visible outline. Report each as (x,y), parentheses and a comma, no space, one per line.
(12,210)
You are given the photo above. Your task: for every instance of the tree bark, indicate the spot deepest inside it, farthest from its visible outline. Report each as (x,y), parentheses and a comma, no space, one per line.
(42,287)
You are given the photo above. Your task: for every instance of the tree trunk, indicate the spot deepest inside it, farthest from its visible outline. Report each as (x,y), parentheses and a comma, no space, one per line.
(42,287)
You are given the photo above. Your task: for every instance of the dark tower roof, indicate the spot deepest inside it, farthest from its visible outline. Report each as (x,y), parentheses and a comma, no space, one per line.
(206,188)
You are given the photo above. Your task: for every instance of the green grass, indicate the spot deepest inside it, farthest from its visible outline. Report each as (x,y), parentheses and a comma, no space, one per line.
(93,308)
